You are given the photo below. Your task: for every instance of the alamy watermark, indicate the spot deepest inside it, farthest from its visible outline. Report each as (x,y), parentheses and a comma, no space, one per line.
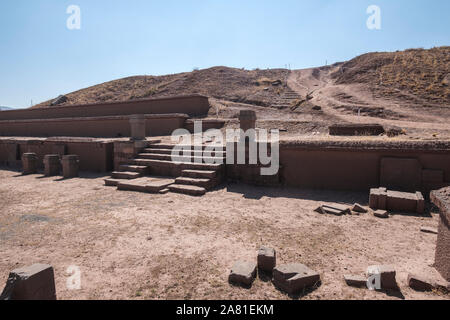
(74,20)
(374,20)
(73,281)
(253,147)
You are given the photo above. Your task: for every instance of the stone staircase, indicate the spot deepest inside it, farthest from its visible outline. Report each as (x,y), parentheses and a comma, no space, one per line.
(194,172)
(287,99)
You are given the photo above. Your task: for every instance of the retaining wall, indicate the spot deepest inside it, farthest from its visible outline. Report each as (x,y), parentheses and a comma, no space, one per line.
(192,105)
(106,126)
(95,156)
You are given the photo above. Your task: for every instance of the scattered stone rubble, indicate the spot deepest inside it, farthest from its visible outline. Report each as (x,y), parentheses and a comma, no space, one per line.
(291,278)
(383,199)
(421,283)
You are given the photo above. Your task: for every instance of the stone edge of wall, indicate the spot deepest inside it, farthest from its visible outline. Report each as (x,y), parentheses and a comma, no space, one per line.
(147,116)
(437,198)
(437,146)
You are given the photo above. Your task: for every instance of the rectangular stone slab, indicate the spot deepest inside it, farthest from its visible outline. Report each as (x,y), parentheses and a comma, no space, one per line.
(293,278)
(146,184)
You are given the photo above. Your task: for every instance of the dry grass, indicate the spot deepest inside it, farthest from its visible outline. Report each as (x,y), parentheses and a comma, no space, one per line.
(418,72)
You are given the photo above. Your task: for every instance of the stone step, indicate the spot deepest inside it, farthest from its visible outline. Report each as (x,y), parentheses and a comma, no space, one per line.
(169,157)
(202,174)
(112,182)
(171,146)
(188,152)
(133,168)
(199,182)
(189,190)
(146,184)
(174,169)
(125,175)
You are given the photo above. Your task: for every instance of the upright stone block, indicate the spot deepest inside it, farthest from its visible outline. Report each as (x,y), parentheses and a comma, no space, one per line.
(387,275)
(247,119)
(137,124)
(267,259)
(34,282)
(441,198)
(70,166)
(29,163)
(52,165)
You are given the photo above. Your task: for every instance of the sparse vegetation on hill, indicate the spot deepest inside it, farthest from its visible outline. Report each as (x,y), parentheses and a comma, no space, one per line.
(257,87)
(414,73)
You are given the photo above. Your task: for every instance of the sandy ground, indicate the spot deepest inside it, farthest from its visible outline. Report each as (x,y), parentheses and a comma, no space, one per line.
(142,246)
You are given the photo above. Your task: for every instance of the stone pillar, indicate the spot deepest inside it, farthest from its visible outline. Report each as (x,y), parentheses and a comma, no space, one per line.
(36,282)
(52,165)
(137,124)
(247,119)
(29,163)
(70,165)
(441,198)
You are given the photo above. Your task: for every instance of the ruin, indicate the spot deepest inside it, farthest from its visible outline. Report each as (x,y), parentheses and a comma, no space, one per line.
(441,198)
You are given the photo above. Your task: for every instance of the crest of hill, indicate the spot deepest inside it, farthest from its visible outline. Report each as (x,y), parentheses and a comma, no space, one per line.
(238,85)
(414,72)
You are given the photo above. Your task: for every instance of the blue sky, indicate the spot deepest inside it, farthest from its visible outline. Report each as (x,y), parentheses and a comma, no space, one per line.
(41,58)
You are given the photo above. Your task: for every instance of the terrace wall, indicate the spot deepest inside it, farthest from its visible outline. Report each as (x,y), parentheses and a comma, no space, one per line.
(193,105)
(105,127)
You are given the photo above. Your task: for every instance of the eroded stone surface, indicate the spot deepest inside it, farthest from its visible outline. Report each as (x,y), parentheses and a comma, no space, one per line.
(266,259)
(387,275)
(243,273)
(34,282)
(294,277)
(355,281)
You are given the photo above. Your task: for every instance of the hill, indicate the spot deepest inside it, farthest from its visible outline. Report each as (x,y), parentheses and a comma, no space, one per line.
(238,85)
(414,73)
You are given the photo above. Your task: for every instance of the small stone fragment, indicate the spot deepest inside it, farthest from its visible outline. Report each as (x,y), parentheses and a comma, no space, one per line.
(355,281)
(429,230)
(419,283)
(359,208)
(381,214)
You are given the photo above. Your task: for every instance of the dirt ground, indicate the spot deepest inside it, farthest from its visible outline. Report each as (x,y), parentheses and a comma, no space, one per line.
(142,246)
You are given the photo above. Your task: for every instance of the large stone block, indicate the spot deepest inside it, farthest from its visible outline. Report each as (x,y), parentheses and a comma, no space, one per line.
(52,165)
(70,166)
(243,273)
(441,198)
(29,163)
(34,282)
(387,275)
(404,174)
(267,259)
(137,124)
(383,199)
(293,278)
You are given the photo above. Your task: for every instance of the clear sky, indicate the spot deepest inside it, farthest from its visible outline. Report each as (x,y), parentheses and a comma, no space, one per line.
(41,58)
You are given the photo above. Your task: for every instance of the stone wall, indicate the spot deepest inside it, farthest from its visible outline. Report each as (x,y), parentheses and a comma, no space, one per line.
(95,156)
(106,127)
(441,198)
(193,105)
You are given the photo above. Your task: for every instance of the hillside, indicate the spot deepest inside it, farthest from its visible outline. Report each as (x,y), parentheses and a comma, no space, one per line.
(408,89)
(238,85)
(410,74)
(5,108)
